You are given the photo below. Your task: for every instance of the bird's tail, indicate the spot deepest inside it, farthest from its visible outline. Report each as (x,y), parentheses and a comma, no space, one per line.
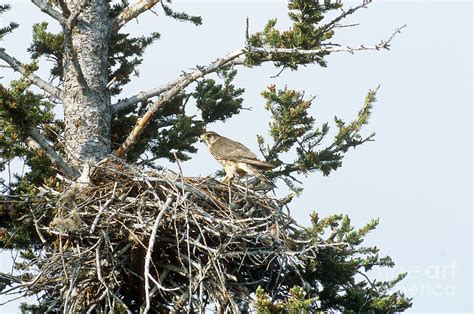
(261,177)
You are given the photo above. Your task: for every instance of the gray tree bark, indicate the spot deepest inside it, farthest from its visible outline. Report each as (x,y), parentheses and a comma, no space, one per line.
(86,99)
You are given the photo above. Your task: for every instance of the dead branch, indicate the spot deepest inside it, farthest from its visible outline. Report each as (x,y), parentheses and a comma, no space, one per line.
(144,95)
(132,11)
(46,8)
(173,87)
(172,92)
(69,25)
(150,251)
(190,245)
(334,22)
(37,140)
(17,66)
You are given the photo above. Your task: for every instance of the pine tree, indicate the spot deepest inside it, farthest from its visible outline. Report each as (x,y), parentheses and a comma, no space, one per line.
(100,225)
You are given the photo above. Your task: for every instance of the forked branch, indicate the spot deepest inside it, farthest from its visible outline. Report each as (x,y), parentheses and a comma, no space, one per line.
(69,26)
(174,89)
(171,89)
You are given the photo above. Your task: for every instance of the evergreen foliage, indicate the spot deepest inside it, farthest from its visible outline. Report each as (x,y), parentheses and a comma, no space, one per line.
(337,280)
(20,110)
(9,28)
(180,16)
(217,101)
(306,33)
(292,128)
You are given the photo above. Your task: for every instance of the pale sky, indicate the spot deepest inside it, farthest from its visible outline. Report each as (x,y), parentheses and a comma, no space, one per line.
(416,177)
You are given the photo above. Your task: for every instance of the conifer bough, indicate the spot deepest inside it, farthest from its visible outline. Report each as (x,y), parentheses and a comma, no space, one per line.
(100,226)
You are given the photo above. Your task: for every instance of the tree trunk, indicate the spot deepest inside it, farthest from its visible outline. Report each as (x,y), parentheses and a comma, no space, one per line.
(86,99)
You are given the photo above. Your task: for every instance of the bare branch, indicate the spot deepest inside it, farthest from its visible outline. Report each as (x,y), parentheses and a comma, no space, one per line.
(17,66)
(111,82)
(384,44)
(151,244)
(183,81)
(132,11)
(315,52)
(142,96)
(334,23)
(69,26)
(46,8)
(172,89)
(39,141)
(238,58)
(35,221)
(199,251)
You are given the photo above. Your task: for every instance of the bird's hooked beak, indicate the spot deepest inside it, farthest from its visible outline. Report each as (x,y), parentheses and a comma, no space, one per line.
(201,138)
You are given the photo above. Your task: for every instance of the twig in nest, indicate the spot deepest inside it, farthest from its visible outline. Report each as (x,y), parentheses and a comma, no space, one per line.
(150,250)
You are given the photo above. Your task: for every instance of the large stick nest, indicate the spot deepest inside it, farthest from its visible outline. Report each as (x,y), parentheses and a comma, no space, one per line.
(158,241)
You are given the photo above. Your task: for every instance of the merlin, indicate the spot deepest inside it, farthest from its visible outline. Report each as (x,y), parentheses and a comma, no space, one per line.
(235,157)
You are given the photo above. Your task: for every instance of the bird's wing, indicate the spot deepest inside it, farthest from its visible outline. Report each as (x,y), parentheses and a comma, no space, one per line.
(259,163)
(225,148)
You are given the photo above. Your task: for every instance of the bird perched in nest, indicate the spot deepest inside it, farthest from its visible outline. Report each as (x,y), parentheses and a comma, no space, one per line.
(235,157)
